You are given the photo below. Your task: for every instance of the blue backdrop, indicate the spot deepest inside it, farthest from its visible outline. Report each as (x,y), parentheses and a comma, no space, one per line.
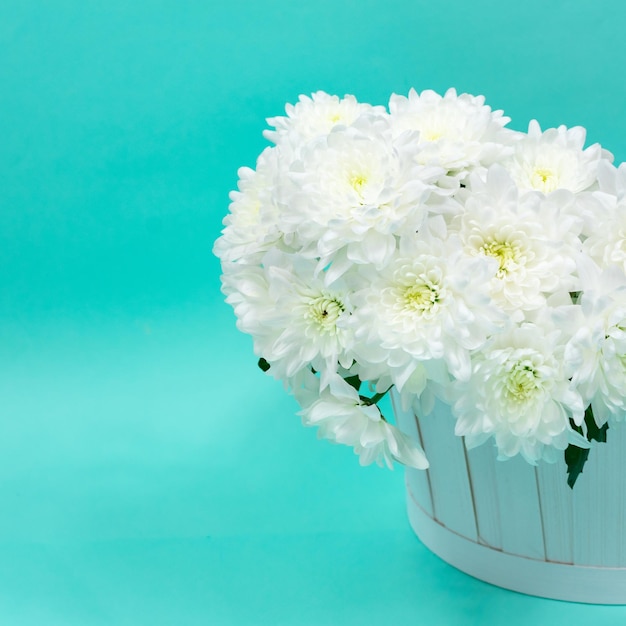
(149,473)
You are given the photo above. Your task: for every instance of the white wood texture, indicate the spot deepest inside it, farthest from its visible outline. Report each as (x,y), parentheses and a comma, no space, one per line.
(451,492)
(481,461)
(520,515)
(599,497)
(556,503)
(516,517)
(418,481)
(593,585)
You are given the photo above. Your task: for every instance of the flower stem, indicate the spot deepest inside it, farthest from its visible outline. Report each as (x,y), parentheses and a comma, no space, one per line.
(376,398)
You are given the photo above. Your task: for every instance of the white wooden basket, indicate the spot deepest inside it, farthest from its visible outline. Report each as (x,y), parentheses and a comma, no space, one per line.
(516,525)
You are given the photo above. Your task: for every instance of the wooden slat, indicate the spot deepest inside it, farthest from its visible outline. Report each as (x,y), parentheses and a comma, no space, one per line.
(405,420)
(555,499)
(482,472)
(618,434)
(417,480)
(587,523)
(573,583)
(519,509)
(599,504)
(452,500)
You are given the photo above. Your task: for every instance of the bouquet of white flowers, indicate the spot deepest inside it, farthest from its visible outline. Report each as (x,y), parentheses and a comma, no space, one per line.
(429,248)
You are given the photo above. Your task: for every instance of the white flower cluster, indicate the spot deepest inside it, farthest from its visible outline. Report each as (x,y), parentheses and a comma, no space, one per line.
(428,247)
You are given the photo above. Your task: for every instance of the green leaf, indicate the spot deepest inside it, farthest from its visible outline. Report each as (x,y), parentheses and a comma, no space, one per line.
(376,398)
(593,432)
(575,457)
(263,364)
(354,381)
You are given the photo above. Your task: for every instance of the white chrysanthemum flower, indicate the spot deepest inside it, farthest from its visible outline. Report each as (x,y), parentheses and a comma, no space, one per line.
(432,249)
(342,416)
(429,306)
(247,290)
(296,320)
(519,393)
(250,227)
(351,192)
(607,245)
(316,117)
(555,159)
(611,179)
(595,356)
(459,133)
(533,239)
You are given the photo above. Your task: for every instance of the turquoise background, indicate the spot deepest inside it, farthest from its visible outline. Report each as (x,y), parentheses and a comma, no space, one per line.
(149,474)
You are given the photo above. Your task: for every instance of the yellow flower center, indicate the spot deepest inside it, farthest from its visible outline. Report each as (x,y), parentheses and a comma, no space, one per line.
(431,135)
(358,182)
(522,382)
(422,297)
(544,179)
(324,311)
(505,252)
